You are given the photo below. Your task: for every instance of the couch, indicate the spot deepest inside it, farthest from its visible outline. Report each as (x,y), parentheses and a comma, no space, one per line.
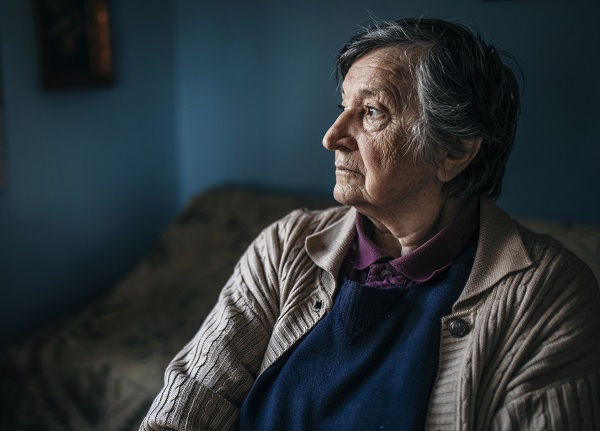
(100,369)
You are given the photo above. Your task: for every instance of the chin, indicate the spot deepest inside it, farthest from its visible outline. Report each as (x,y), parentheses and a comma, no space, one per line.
(347,195)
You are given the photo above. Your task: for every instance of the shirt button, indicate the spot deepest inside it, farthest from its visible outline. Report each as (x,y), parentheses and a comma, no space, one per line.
(385,274)
(458,328)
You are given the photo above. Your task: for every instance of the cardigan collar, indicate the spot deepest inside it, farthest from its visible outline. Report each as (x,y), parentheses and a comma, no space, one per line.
(500,249)
(329,246)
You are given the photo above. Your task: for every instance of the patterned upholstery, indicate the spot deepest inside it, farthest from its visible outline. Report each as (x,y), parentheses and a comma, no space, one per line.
(100,370)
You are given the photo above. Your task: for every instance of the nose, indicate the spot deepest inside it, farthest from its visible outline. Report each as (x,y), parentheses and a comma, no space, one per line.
(340,136)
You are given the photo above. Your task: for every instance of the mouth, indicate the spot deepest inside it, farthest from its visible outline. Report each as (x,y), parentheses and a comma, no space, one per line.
(341,167)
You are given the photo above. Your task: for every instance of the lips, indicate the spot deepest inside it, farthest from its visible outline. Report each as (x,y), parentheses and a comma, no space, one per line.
(339,166)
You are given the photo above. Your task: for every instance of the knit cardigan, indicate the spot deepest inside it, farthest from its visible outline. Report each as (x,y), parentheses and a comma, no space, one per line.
(530,360)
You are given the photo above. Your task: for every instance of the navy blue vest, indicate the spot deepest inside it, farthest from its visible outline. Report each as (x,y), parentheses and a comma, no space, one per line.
(369,364)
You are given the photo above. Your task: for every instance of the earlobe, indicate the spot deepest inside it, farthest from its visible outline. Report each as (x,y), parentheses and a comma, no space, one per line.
(451,165)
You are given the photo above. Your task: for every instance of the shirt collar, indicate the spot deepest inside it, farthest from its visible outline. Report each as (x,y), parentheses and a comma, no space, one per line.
(429,259)
(367,251)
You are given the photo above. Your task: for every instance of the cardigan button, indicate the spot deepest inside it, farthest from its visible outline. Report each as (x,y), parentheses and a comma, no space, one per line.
(458,328)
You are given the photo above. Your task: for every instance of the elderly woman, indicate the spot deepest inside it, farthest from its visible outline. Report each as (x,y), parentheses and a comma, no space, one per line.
(416,304)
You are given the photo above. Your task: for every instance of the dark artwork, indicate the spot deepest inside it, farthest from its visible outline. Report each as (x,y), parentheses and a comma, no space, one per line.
(74,43)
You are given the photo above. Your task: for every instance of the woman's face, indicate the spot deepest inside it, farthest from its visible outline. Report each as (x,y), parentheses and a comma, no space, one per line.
(373,171)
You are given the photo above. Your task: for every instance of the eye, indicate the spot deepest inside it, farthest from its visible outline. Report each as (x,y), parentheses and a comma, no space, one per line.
(374,112)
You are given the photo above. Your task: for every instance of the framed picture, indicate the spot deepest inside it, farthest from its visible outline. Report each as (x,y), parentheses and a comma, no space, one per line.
(74,43)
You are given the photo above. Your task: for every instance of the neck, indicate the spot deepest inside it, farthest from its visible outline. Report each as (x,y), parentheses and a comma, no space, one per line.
(399,235)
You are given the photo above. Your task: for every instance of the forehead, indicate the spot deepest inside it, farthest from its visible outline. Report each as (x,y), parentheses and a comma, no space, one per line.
(389,69)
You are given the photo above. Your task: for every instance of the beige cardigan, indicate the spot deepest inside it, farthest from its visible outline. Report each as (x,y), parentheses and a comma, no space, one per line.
(531,358)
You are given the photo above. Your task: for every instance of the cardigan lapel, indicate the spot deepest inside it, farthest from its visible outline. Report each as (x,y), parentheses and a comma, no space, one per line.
(328,247)
(500,251)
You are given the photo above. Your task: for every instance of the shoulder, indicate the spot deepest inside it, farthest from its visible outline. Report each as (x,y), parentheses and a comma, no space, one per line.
(287,236)
(302,223)
(529,277)
(315,219)
(551,258)
(557,298)
(507,248)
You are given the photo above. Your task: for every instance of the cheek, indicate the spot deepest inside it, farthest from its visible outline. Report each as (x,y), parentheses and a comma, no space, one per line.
(384,154)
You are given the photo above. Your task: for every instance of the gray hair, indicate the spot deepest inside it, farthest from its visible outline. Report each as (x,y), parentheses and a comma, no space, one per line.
(464,90)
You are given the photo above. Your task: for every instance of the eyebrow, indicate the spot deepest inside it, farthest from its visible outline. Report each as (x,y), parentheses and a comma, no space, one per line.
(368,91)
(376,91)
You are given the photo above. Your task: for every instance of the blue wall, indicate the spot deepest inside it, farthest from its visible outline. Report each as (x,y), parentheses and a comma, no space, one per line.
(229,92)
(93,173)
(257,93)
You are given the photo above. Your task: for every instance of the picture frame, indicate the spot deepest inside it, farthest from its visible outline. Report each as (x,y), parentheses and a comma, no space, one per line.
(74,43)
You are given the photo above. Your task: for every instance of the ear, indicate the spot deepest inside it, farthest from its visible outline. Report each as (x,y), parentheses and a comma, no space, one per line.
(453,165)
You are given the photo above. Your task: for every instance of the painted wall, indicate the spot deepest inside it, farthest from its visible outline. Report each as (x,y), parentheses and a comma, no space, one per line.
(257,93)
(238,92)
(93,173)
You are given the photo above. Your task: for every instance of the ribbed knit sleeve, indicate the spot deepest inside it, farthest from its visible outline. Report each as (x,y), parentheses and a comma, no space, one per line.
(568,405)
(552,380)
(265,306)
(205,384)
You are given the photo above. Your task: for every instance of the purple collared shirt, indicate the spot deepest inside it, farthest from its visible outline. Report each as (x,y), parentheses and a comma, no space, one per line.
(368,264)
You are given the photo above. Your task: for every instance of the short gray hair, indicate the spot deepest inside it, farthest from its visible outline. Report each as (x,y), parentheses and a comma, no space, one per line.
(464,90)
